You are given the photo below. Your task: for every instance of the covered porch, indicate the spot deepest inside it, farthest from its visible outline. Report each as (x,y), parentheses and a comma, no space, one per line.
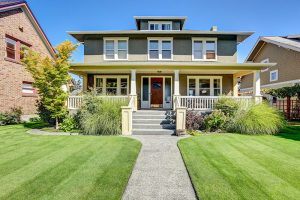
(157,86)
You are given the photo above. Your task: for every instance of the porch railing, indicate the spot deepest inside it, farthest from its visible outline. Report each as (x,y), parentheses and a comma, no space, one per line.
(74,102)
(206,103)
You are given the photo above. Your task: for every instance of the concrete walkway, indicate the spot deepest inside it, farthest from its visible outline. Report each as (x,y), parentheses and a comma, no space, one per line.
(159,172)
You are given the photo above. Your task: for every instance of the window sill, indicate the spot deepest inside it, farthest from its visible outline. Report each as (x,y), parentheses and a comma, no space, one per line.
(12,60)
(29,95)
(207,60)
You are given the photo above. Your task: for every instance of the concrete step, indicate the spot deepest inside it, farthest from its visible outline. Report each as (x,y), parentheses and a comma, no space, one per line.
(152,132)
(154,126)
(151,121)
(161,117)
(152,112)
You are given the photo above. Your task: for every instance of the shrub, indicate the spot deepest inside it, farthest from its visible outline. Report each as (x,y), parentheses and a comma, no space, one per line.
(215,121)
(227,105)
(100,116)
(11,117)
(194,121)
(257,119)
(68,124)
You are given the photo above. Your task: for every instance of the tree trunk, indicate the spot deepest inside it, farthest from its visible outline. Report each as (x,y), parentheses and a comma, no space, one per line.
(56,123)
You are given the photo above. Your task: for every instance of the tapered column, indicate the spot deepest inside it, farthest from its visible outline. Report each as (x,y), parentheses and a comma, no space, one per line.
(235,85)
(176,83)
(256,86)
(84,82)
(133,82)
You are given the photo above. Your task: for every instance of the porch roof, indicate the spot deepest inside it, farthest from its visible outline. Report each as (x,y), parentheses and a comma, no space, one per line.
(166,67)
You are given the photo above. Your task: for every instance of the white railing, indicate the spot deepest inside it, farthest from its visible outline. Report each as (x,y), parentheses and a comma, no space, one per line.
(74,102)
(206,103)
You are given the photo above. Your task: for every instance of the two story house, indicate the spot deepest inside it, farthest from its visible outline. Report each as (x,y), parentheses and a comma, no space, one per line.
(18,29)
(160,60)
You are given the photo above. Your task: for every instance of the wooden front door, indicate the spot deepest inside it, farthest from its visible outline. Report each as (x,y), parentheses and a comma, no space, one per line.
(157,92)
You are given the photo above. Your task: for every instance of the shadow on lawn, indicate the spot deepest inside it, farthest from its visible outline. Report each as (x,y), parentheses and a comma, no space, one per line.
(290,132)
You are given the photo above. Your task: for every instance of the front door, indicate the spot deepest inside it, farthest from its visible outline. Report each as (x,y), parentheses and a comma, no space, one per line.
(156,92)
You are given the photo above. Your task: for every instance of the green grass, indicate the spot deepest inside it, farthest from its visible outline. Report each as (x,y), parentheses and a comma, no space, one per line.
(233,166)
(64,167)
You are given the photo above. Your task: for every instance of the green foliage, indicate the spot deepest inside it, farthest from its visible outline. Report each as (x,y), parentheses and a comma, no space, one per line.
(100,116)
(257,119)
(194,121)
(193,132)
(285,91)
(68,124)
(49,76)
(11,117)
(215,121)
(227,105)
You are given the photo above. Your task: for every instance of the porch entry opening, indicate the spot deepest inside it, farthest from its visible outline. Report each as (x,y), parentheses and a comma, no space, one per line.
(156,92)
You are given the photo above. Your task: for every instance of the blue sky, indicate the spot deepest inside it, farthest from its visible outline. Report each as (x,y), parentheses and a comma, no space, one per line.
(265,17)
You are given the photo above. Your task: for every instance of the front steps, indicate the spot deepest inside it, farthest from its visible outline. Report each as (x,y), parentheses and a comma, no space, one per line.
(153,122)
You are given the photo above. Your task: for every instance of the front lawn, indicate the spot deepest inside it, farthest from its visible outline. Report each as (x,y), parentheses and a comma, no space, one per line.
(64,167)
(233,166)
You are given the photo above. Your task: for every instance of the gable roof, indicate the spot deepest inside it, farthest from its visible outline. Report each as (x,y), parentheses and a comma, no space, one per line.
(6,5)
(289,42)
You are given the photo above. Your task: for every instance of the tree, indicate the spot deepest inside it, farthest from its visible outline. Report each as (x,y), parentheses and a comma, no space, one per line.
(285,92)
(49,76)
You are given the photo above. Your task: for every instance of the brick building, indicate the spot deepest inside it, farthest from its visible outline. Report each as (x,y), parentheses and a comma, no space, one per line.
(18,28)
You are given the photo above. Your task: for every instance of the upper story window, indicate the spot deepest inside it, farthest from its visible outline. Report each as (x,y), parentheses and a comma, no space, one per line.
(14,48)
(27,88)
(160,26)
(115,48)
(204,49)
(160,48)
(274,75)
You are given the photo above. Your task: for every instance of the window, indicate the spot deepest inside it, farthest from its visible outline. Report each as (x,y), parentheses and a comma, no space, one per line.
(160,26)
(274,75)
(115,48)
(10,48)
(111,85)
(204,49)
(265,61)
(160,49)
(27,88)
(204,86)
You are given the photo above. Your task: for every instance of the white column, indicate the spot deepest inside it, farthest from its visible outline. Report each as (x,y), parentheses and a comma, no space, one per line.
(235,89)
(133,82)
(256,83)
(176,83)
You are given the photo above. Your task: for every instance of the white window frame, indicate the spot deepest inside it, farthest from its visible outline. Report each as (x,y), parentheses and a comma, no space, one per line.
(211,78)
(267,60)
(118,77)
(27,88)
(271,72)
(115,39)
(160,40)
(204,40)
(160,23)
(11,41)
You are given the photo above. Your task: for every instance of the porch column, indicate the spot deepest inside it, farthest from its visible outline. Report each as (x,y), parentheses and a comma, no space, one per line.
(84,82)
(176,83)
(235,86)
(133,88)
(256,86)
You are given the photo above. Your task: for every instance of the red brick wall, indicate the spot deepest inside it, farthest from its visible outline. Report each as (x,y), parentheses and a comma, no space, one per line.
(12,74)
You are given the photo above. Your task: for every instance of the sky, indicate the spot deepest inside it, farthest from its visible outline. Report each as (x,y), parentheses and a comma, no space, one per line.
(264,17)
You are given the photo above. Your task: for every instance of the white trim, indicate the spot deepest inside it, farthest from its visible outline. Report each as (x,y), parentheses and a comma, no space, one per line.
(211,78)
(204,40)
(118,77)
(273,85)
(160,40)
(116,40)
(267,60)
(160,23)
(271,72)
(149,90)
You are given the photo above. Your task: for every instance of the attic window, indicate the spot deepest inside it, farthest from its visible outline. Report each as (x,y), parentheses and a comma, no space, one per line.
(160,26)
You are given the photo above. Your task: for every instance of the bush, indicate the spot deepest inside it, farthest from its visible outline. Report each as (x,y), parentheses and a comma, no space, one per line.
(194,121)
(11,117)
(100,116)
(227,105)
(257,119)
(44,113)
(68,124)
(215,121)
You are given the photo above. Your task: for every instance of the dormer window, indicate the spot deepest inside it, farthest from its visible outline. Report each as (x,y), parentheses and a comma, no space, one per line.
(160,26)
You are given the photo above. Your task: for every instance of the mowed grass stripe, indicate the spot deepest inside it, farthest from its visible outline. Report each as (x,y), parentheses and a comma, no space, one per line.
(210,183)
(46,181)
(280,164)
(241,180)
(11,181)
